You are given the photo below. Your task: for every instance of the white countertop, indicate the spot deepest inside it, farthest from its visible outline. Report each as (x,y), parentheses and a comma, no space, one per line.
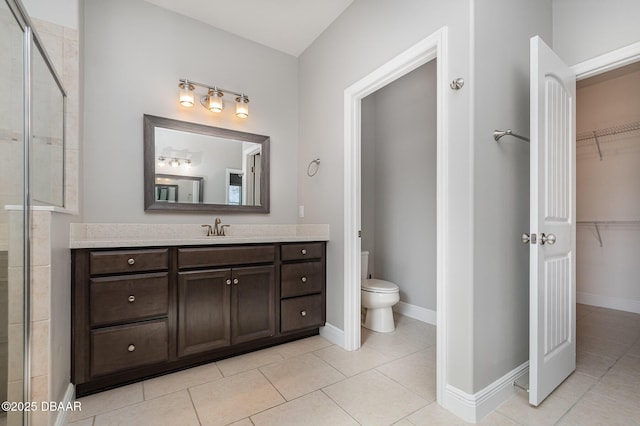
(111,235)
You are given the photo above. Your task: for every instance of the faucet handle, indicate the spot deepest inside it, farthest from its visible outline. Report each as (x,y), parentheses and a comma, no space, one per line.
(222,229)
(209,230)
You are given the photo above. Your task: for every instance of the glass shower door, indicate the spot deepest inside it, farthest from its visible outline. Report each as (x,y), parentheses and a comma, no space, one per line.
(12,211)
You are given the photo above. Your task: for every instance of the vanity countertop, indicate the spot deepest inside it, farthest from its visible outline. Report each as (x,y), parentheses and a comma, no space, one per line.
(112,235)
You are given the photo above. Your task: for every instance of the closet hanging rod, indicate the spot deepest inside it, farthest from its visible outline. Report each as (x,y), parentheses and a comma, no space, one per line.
(609,131)
(497,134)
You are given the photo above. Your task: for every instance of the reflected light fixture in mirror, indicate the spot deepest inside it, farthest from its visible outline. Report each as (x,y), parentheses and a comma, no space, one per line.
(213,99)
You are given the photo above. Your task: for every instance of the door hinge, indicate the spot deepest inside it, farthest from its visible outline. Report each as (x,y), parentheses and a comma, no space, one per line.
(359,234)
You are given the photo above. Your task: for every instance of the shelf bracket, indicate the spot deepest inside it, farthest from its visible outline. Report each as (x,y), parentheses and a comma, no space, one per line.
(595,136)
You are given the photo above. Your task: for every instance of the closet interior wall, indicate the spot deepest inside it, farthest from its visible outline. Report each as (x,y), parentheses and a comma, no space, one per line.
(608,189)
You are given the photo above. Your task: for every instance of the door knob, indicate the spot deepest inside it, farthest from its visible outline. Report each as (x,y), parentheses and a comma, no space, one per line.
(547,239)
(525,238)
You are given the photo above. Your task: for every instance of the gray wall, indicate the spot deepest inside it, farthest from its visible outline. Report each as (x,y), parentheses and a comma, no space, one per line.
(400,155)
(344,54)
(583,29)
(134,55)
(501,182)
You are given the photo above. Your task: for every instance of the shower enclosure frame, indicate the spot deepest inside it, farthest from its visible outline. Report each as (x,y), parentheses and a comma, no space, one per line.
(30,40)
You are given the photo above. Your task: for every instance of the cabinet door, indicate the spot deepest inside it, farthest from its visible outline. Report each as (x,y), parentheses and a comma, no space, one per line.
(203,311)
(253,303)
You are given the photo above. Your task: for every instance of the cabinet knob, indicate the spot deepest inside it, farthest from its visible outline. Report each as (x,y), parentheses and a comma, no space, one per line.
(303,279)
(131,348)
(131,298)
(303,251)
(303,313)
(131,261)
(235,281)
(228,282)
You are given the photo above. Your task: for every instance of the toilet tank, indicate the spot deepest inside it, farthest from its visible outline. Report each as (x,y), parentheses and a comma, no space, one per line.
(364,264)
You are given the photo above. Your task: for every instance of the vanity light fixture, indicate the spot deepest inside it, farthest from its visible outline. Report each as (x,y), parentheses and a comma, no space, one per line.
(186,93)
(174,162)
(213,99)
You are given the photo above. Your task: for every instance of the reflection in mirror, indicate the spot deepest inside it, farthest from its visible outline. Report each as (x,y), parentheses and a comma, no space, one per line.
(192,167)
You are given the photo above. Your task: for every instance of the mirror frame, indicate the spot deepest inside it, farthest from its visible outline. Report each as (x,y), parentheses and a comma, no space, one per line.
(151,122)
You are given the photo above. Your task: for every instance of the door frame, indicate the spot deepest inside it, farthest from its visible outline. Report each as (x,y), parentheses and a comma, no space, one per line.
(432,47)
(607,62)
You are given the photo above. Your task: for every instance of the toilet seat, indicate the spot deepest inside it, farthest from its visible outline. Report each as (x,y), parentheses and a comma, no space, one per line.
(378,286)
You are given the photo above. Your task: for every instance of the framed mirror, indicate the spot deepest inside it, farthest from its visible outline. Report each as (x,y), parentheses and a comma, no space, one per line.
(197,168)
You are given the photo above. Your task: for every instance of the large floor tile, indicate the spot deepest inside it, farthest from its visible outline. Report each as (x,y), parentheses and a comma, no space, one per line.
(171,383)
(497,419)
(574,386)
(622,335)
(84,422)
(314,409)
(374,399)
(351,363)
(517,408)
(234,398)
(303,346)
(602,347)
(246,362)
(416,372)
(435,415)
(301,375)
(597,409)
(107,401)
(593,365)
(169,410)
(393,345)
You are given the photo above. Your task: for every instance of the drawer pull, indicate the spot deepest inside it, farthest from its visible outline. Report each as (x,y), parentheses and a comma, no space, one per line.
(131,261)
(131,298)
(303,251)
(228,282)
(303,279)
(235,281)
(303,313)
(131,348)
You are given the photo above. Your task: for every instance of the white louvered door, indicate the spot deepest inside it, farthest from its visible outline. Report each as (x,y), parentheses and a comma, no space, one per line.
(552,318)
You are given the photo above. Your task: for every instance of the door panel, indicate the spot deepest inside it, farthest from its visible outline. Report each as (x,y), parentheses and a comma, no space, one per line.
(552,343)
(203,311)
(253,303)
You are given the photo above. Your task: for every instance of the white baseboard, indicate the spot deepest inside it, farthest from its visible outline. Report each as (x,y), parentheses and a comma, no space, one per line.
(628,305)
(333,334)
(69,397)
(416,312)
(473,408)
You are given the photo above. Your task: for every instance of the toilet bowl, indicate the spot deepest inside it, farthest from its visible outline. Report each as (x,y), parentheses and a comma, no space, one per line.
(377,297)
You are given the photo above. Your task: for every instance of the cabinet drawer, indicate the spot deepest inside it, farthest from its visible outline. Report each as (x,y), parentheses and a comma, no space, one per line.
(224,256)
(121,261)
(121,348)
(128,297)
(301,312)
(301,251)
(298,279)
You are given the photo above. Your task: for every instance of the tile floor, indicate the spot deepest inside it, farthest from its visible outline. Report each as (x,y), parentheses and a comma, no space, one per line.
(389,381)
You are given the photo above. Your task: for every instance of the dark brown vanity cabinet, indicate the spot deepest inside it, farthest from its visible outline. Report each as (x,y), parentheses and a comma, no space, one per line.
(222,307)
(138,313)
(302,284)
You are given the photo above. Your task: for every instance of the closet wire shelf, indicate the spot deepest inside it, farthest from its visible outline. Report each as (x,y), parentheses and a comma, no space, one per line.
(597,223)
(609,131)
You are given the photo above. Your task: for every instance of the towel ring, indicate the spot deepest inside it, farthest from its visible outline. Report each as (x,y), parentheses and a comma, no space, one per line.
(311,171)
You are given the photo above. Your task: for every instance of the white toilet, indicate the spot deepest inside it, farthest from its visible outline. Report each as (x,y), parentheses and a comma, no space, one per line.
(377,296)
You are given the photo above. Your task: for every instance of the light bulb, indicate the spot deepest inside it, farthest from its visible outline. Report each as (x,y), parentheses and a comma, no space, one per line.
(242,106)
(214,103)
(186,94)
(161,162)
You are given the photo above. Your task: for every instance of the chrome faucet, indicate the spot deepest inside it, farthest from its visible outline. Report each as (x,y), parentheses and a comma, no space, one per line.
(216,224)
